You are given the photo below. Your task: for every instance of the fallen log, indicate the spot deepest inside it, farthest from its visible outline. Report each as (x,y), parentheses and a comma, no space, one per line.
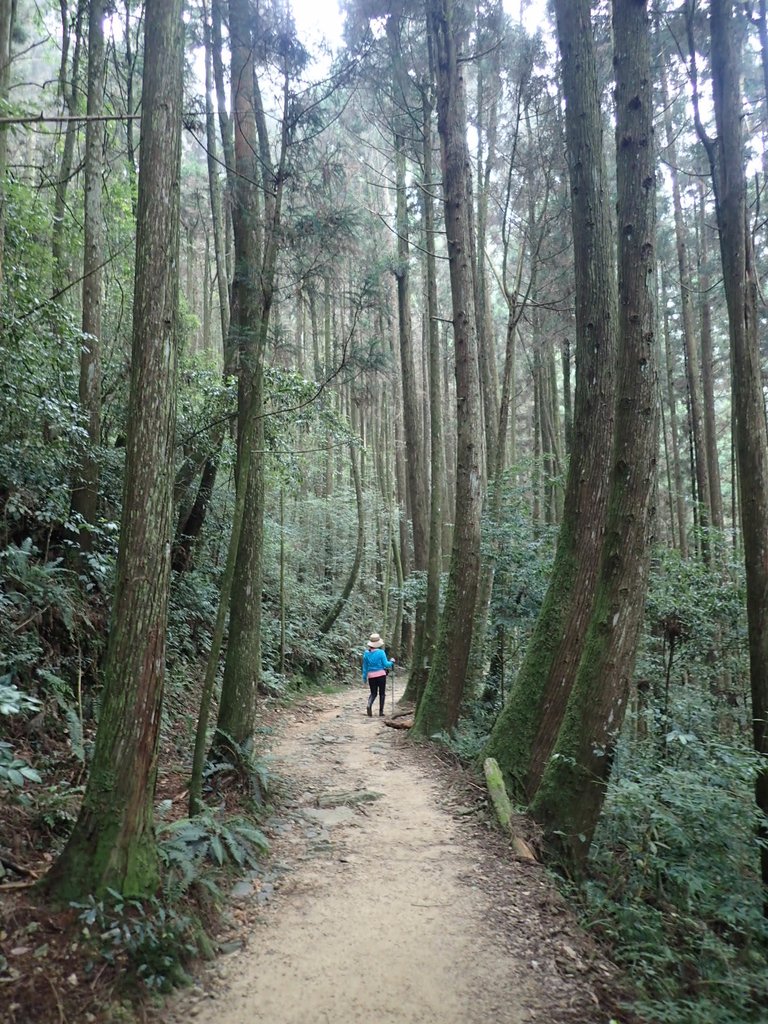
(398,723)
(501,804)
(358,796)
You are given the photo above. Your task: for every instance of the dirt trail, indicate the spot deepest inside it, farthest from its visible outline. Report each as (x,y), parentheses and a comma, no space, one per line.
(406,909)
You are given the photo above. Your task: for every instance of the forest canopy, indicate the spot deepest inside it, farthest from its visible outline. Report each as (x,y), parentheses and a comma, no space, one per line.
(452,329)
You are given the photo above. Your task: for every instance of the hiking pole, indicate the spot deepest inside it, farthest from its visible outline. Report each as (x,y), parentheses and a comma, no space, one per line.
(394,669)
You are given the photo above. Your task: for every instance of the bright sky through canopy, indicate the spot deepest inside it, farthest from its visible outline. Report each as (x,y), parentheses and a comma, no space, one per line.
(322,19)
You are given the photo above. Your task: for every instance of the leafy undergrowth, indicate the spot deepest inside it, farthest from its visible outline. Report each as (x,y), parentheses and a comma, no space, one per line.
(673,893)
(675,890)
(104,959)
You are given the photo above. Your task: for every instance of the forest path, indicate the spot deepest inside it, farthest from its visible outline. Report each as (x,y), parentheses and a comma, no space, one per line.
(405,909)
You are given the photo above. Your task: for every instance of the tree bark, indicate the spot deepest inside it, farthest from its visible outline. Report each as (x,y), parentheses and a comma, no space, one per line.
(69,85)
(674,438)
(441,702)
(689,334)
(414,443)
(525,732)
(253,289)
(85,492)
(242,668)
(7,8)
(191,523)
(707,370)
(419,675)
(113,842)
(488,91)
(740,280)
(572,790)
(349,586)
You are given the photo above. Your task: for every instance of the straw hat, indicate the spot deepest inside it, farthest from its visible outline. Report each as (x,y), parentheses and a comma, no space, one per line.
(374,640)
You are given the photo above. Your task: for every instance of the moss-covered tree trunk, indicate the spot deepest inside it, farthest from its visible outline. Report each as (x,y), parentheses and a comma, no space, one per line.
(243,658)
(741,291)
(572,790)
(256,247)
(113,842)
(441,702)
(525,731)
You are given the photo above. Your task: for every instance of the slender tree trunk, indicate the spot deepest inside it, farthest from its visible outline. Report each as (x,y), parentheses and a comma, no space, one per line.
(341,602)
(675,439)
(707,361)
(113,842)
(225,122)
(242,668)
(536,473)
(689,332)
(496,492)
(488,90)
(416,477)
(131,58)
(69,80)
(417,679)
(85,493)
(191,524)
(565,358)
(253,289)
(441,702)
(572,790)
(525,732)
(7,8)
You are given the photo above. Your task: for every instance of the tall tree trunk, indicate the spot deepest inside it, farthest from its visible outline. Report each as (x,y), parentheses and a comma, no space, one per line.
(85,492)
(341,602)
(525,732)
(416,477)
(131,60)
(488,90)
(69,85)
(689,331)
(242,668)
(674,438)
(113,843)
(424,652)
(572,790)
(565,359)
(434,560)
(191,523)
(707,368)
(740,280)
(253,289)
(441,702)
(7,8)
(225,124)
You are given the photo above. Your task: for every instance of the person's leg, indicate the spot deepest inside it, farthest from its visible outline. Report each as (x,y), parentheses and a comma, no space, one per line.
(382,693)
(372,698)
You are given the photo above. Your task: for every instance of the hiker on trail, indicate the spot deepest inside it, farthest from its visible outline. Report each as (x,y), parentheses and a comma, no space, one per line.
(376,664)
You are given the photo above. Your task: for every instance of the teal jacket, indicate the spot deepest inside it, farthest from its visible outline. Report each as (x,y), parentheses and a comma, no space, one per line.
(376,661)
